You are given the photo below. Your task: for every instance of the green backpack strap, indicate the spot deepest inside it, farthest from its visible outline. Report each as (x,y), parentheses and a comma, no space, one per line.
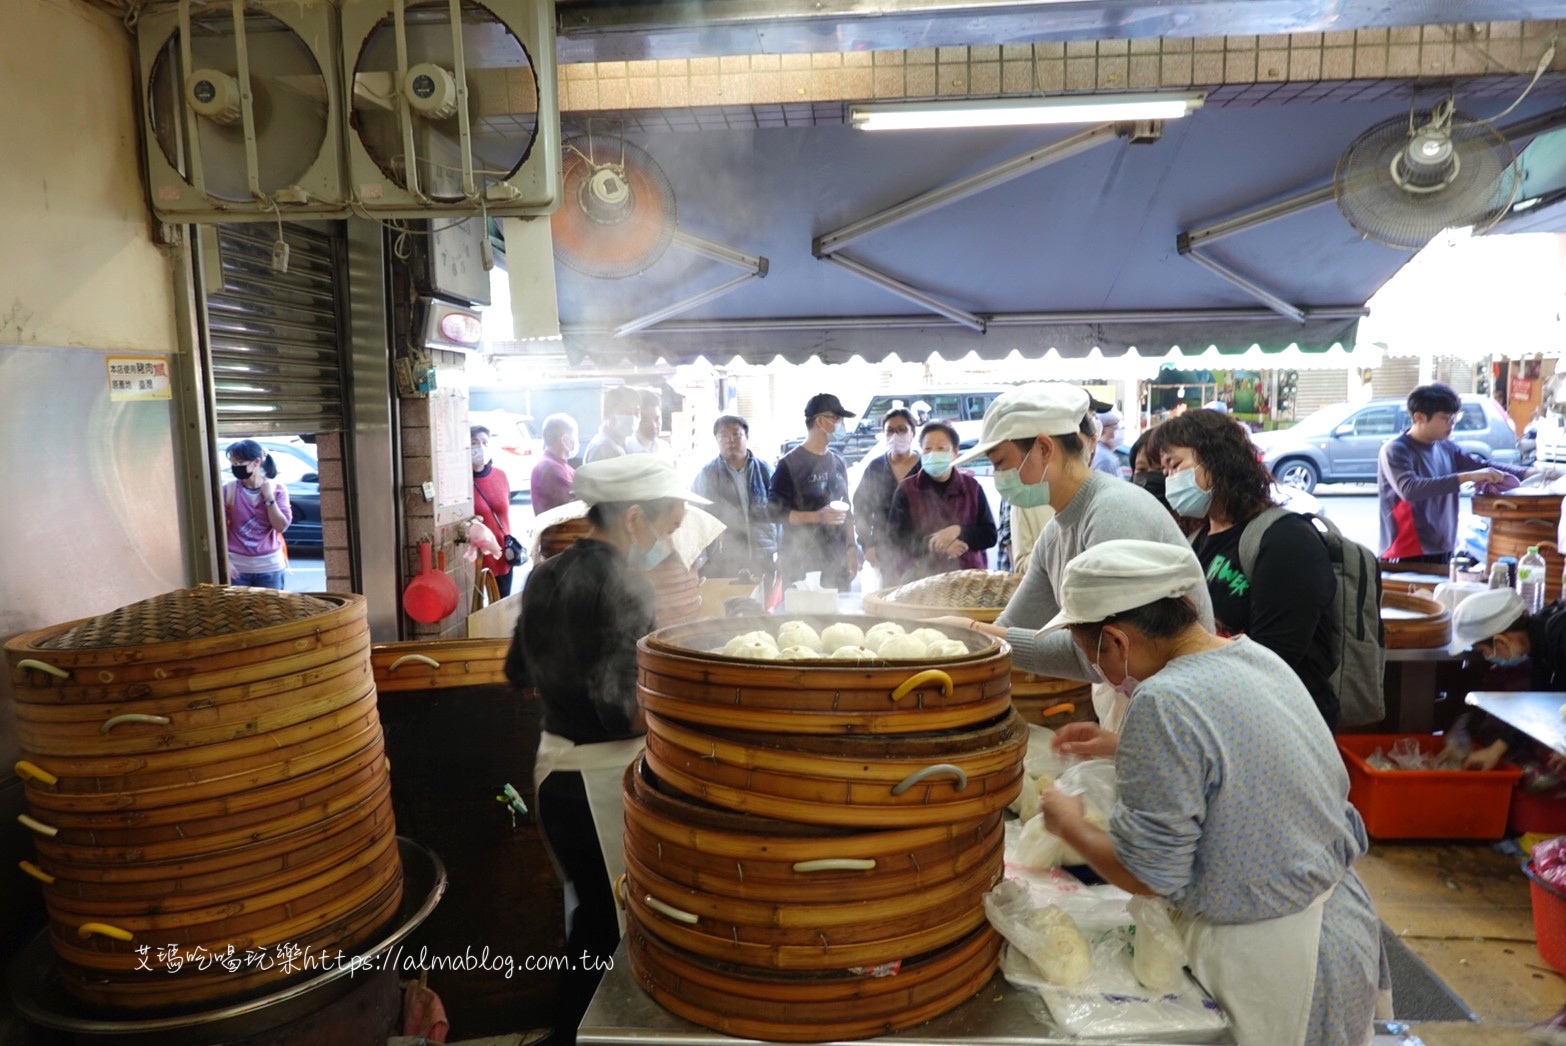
(1250,541)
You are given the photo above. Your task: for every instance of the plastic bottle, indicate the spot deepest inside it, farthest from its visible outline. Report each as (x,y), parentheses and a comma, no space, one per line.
(1530,579)
(1500,575)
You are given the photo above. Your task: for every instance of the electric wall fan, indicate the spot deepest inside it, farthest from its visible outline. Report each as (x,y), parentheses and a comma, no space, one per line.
(240,106)
(452,106)
(1408,178)
(618,216)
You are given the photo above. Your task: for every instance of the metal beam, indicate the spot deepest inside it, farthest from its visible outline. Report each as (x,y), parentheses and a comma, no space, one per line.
(755,264)
(823,246)
(1250,219)
(1009,319)
(1255,290)
(903,290)
(641,322)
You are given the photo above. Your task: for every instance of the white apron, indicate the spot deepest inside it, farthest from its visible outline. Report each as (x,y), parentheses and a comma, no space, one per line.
(602,767)
(1263,973)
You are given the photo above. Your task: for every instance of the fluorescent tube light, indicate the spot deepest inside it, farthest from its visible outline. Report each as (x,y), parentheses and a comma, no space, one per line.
(1020,112)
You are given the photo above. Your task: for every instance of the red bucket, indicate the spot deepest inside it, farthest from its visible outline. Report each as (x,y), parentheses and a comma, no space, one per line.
(1549,918)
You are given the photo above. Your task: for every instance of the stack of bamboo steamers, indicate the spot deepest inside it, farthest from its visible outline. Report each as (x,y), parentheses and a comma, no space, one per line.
(208,790)
(808,843)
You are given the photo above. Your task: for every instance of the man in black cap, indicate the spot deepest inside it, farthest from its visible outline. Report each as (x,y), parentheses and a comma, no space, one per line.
(809,497)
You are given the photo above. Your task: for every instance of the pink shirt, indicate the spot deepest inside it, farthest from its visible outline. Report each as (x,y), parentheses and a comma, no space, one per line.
(551,483)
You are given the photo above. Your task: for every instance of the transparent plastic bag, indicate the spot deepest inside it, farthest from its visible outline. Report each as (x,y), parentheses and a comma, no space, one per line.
(1049,937)
(1040,767)
(1157,952)
(1094,781)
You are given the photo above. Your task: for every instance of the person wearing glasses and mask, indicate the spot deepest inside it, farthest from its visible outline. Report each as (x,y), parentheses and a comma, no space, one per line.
(1234,809)
(1284,600)
(622,415)
(255,514)
(939,519)
(809,499)
(873,498)
(583,612)
(1040,439)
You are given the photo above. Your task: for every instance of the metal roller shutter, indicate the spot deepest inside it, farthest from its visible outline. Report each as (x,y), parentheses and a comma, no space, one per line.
(274,337)
(1395,377)
(1315,389)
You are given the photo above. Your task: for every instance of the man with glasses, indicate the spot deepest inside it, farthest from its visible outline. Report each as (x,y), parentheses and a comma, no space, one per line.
(1420,474)
(809,499)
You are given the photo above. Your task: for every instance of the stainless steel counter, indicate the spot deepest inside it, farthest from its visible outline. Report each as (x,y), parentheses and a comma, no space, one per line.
(621,1014)
(1536,713)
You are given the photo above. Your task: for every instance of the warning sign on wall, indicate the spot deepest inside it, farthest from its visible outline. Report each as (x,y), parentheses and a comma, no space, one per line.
(134,378)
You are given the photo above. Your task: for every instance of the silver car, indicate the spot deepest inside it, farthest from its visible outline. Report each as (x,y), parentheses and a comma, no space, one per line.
(1342,443)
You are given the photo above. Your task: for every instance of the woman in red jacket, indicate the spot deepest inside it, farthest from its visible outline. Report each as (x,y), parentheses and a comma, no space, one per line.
(939,519)
(492,502)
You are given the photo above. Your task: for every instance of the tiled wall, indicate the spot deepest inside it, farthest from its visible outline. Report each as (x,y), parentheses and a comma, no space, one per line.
(1495,49)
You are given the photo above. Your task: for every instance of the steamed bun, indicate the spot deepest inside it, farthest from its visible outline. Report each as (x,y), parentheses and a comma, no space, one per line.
(798,633)
(885,628)
(841,634)
(928,635)
(902,648)
(744,645)
(798,653)
(947,648)
(852,653)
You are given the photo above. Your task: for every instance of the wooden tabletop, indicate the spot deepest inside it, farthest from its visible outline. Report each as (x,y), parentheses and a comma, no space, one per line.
(1536,713)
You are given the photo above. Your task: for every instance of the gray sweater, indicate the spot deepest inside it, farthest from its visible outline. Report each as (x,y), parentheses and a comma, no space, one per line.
(1104,509)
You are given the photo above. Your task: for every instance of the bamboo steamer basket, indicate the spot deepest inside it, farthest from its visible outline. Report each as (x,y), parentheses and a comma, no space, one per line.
(780,1007)
(204,770)
(681,677)
(556,539)
(1520,518)
(912,779)
(979,594)
(1412,622)
(435,664)
(676,592)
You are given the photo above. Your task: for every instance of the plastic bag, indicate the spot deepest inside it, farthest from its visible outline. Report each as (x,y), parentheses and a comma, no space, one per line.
(1046,935)
(1040,767)
(1094,781)
(1157,952)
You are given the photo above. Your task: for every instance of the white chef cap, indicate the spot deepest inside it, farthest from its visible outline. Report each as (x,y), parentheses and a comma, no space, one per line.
(1115,576)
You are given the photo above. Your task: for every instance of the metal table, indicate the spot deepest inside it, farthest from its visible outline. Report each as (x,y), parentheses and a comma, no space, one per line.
(1536,713)
(621,1014)
(1414,695)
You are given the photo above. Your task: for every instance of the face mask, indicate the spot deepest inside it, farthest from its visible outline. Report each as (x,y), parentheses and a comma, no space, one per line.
(240,471)
(622,426)
(1507,662)
(1152,482)
(645,560)
(1009,485)
(1114,441)
(480,455)
(900,443)
(936,463)
(1128,684)
(1184,496)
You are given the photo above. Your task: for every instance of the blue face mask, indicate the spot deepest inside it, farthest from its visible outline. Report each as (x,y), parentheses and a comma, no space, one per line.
(936,463)
(1507,662)
(622,426)
(645,559)
(1185,497)
(1009,485)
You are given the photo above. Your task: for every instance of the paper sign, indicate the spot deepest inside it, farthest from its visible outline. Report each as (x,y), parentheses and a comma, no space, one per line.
(133,378)
(1522,389)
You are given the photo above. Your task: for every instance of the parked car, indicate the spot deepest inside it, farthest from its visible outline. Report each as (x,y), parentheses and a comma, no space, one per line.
(963,407)
(1342,443)
(298,471)
(512,442)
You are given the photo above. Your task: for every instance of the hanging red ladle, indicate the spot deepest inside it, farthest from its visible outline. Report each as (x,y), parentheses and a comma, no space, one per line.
(432,595)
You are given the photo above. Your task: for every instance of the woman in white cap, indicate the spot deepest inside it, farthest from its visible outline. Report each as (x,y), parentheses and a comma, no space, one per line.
(1040,439)
(1234,809)
(583,612)
(1497,625)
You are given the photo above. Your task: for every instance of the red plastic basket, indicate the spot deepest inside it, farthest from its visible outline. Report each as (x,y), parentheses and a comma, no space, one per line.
(1534,812)
(1425,804)
(1549,918)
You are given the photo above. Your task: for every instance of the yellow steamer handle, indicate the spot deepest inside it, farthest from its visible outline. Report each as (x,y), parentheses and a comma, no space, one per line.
(36,872)
(915,681)
(420,658)
(33,772)
(86,930)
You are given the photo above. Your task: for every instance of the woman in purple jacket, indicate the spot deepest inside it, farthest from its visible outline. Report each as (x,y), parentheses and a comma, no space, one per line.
(939,519)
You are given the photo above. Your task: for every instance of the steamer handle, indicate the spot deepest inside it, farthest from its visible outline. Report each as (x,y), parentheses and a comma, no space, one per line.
(929,675)
(835,864)
(86,930)
(32,771)
(36,872)
(133,717)
(37,826)
(1503,503)
(670,911)
(420,658)
(1065,706)
(619,891)
(58,673)
(930,771)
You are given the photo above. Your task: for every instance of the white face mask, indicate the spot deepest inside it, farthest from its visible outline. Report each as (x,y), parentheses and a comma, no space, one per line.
(1128,683)
(900,443)
(480,455)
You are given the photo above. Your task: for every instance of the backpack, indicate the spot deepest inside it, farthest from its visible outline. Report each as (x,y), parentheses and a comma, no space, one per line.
(1354,615)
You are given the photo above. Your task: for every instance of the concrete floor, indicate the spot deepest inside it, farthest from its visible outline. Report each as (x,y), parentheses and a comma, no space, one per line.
(1464,910)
